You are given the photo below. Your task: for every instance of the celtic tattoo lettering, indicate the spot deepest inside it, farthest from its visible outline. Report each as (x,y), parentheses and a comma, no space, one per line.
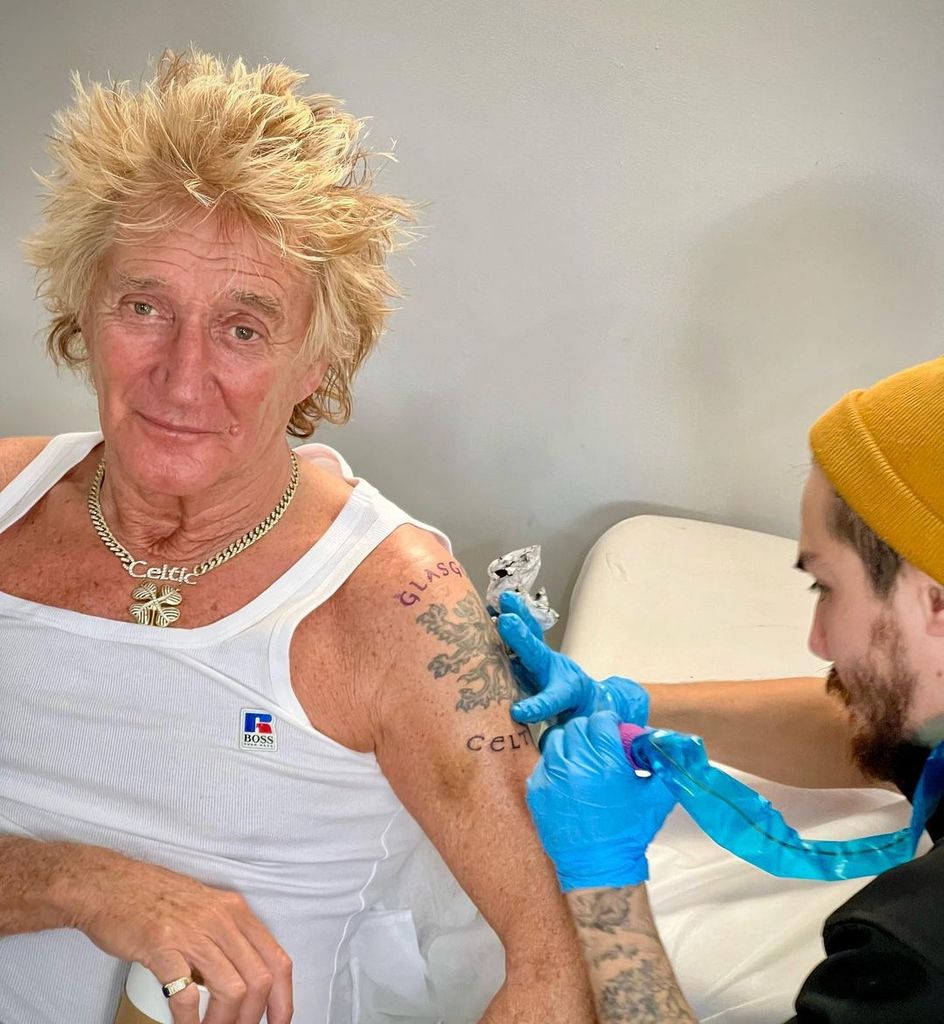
(497,744)
(477,656)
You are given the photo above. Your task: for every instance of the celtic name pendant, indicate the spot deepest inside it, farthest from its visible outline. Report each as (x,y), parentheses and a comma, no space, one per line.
(155,607)
(158,606)
(161,607)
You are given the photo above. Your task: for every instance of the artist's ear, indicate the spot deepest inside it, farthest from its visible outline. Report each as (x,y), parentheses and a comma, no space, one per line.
(919,599)
(933,593)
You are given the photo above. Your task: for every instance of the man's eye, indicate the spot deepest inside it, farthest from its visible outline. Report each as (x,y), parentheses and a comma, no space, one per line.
(819,588)
(143,308)
(243,333)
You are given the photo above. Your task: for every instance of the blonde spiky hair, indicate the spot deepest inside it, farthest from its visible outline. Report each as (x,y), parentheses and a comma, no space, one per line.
(240,143)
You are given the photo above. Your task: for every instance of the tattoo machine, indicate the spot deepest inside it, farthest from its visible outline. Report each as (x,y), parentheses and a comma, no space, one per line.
(518,571)
(746,824)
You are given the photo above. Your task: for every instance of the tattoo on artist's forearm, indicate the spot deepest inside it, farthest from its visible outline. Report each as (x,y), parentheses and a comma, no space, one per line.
(608,910)
(646,993)
(631,975)
(476,654)
(615,952)
(413,592)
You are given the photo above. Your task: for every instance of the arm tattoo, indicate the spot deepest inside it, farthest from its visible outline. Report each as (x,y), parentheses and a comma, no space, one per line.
(615,952)
(477,655)
(629,970)
(414,590)
(645,992)
(608,910)
(495,745)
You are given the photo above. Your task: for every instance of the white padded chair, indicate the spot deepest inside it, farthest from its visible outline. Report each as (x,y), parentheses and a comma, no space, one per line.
(666,599)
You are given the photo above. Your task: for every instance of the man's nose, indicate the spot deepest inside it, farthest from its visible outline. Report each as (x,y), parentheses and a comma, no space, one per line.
(185,368)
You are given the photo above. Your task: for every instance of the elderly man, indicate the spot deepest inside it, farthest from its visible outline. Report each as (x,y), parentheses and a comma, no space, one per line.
(872,538)
(229,727)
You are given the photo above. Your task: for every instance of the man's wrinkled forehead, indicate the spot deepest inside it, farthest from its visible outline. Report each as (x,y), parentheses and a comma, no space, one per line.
(212,261)
(267,304)
(220,243)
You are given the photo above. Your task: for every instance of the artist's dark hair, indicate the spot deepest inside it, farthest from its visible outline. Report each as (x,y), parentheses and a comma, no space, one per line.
(882,562)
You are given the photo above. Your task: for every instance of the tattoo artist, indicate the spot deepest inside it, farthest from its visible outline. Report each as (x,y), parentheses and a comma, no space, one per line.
(872,538)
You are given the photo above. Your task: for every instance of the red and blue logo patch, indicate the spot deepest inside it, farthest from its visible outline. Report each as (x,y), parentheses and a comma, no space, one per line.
(258,732)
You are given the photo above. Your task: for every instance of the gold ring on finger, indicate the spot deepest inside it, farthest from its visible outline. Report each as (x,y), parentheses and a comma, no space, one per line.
(177,985)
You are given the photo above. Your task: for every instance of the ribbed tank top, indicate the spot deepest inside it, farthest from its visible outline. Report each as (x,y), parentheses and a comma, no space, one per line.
(187,748)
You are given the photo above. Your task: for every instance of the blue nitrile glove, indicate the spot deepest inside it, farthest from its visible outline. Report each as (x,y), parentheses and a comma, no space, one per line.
(594,816)
(560,686)
(512,605)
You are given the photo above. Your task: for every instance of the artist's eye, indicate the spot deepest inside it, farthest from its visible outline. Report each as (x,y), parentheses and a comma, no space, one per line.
(819,588)
(143,308)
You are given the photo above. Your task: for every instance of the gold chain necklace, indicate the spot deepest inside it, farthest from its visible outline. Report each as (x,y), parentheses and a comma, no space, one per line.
(155,606)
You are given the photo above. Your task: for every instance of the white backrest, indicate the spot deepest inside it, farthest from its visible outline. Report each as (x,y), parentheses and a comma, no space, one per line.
(675,599)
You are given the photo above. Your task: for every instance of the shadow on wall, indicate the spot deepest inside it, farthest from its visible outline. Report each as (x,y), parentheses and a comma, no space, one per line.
(822,287)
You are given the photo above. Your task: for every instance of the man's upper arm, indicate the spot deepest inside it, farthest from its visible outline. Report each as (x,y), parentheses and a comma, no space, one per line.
(446,743)
(16,453)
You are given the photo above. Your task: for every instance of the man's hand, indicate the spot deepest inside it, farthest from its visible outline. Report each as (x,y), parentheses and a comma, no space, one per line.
(594,816)
(176,926)
(560,686)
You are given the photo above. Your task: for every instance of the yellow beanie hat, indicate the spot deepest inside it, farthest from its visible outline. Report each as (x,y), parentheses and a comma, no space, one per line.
(882,449)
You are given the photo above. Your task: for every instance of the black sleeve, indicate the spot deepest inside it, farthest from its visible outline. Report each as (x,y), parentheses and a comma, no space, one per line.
(908,765)
(870,977)
(884,950)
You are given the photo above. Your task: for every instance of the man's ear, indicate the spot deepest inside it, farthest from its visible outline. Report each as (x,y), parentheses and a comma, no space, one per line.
(311,379)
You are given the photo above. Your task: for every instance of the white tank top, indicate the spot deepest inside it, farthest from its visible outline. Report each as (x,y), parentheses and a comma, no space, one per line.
(188,748)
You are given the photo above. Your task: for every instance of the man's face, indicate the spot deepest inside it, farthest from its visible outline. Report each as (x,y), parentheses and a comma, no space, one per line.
(195,345)
(863,635)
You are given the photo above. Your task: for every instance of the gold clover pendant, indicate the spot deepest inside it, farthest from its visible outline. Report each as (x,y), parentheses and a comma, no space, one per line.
(155,608)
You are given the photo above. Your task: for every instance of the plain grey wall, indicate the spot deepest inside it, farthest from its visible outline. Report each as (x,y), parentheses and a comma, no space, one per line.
(660,238)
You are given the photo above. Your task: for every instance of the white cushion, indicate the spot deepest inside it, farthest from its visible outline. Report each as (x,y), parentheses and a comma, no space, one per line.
(675,599)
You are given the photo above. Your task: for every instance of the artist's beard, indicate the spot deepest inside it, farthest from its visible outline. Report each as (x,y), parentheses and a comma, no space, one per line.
(879,692)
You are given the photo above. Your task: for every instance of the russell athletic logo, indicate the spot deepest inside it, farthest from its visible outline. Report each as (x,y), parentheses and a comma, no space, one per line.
(257,730)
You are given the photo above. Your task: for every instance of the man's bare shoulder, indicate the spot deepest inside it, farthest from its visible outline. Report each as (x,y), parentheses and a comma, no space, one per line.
(415,618)
(16,453)
(404,571)
(401,578)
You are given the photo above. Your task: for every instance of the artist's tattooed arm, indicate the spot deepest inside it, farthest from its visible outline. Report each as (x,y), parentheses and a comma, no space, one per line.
(630,972)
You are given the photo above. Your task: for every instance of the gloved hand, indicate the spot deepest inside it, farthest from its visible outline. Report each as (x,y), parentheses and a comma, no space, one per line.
(594,816)
(516,613)
(560,686)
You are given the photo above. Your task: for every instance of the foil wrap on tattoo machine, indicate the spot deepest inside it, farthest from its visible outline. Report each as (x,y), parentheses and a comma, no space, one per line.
(518,571)
(746,824)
